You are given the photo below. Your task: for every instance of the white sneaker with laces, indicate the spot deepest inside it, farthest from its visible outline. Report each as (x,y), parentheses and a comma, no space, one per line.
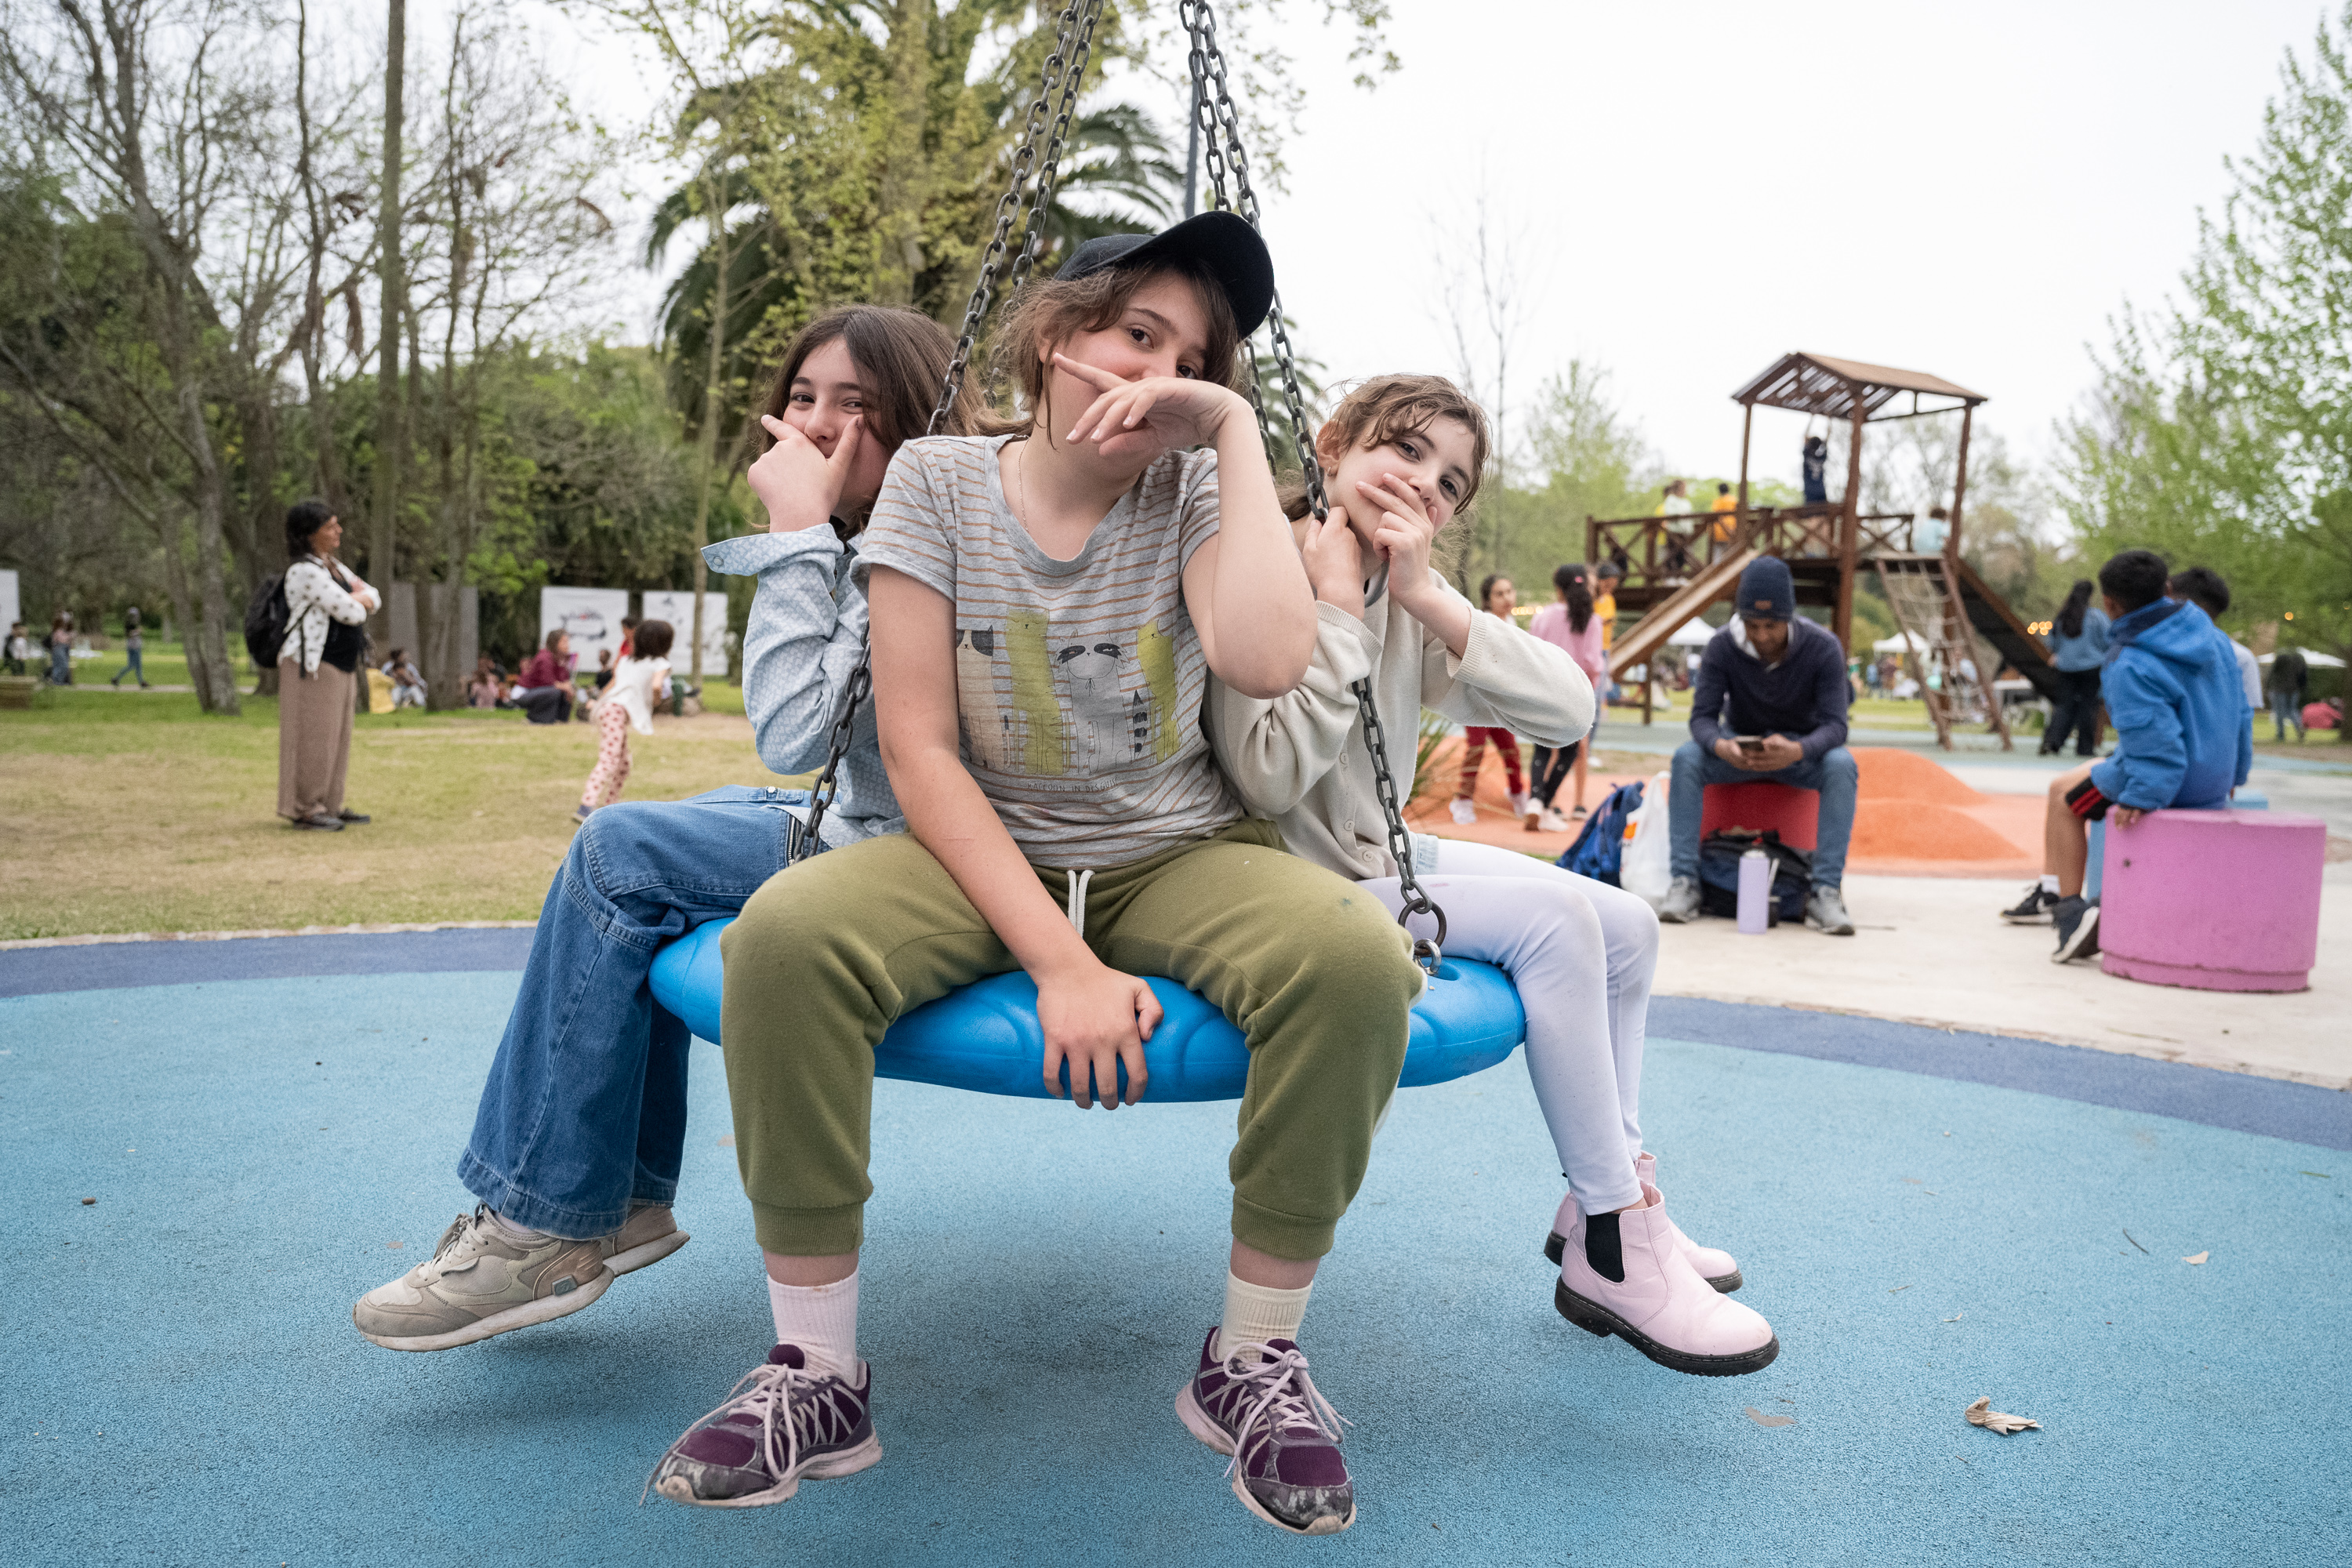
(1466,812)
(781,1423)
(480,1281)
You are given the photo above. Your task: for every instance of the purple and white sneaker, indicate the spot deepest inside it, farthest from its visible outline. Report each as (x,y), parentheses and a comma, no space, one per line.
(779,1423)
(1283,1435)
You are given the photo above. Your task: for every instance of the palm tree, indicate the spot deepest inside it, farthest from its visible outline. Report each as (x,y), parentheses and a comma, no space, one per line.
(1117,175)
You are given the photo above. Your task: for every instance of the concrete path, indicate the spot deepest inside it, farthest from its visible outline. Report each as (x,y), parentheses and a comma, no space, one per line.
(1931,950)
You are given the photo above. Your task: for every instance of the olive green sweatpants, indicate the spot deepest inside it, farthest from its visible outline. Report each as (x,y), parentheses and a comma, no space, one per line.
(1313,972)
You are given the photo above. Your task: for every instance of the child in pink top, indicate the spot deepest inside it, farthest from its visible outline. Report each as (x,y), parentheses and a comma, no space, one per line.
(1571,626)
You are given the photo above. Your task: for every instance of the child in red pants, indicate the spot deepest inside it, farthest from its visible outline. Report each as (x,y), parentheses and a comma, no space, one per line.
(1497,598)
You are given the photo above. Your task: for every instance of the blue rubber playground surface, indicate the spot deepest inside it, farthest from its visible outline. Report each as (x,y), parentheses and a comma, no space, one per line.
(269,1128)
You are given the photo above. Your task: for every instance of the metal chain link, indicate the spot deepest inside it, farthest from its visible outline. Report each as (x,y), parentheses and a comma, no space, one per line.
(1072,43)
(1217,114)
(1080,50)
(1428,950)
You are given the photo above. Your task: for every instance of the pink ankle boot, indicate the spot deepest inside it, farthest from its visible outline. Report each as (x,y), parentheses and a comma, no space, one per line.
(1626,1274)
(1715,1266)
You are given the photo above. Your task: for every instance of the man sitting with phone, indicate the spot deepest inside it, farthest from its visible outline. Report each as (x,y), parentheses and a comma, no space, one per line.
(1770,705)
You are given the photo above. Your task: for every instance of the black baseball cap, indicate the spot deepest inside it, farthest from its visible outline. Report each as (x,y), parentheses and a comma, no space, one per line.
(1222,242)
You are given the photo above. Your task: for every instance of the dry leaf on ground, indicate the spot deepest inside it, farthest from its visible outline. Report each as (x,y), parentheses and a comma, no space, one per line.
(1981,1414)
(1763,1420)
(2197,1257)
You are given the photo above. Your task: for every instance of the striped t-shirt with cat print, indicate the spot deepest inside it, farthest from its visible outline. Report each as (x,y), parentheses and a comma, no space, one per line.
(1078,682)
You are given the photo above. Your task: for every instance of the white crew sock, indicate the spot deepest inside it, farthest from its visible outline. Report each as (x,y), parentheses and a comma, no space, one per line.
(2049,884)
(823,1321)
(1258,1312)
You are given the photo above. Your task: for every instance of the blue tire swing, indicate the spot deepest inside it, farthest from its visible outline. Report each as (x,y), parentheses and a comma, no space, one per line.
(985,1036)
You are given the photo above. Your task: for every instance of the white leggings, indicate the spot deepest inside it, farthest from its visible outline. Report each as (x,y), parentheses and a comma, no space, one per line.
(1582,954)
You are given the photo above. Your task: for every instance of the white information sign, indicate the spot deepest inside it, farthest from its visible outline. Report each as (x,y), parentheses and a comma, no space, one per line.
(677,609)
(592,616)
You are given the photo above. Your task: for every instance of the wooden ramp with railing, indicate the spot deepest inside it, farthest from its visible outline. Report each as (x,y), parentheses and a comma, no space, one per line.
(1677,564)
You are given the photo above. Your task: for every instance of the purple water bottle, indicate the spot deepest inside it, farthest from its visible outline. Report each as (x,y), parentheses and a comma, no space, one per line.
(1755,892)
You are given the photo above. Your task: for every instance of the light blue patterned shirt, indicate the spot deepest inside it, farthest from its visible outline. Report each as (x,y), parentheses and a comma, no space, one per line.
(806,627)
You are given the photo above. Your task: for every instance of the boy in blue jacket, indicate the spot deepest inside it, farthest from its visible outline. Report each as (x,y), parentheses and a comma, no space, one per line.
(2182,738)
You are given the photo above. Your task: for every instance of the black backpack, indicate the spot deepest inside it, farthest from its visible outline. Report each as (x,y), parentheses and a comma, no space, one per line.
(1718,874)
(265,623)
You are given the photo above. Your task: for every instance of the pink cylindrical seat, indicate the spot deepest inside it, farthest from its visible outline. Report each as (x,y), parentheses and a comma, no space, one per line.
(2221,900)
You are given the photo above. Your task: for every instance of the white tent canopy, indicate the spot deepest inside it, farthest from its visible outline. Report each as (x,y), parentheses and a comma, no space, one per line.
(2316,659)
(1901,642)
(1691,633)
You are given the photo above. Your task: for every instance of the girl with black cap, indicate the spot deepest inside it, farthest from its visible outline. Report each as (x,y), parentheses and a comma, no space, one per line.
(1049,602)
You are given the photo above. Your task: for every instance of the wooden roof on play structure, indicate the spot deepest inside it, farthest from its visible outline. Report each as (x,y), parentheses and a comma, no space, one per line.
(1817,383)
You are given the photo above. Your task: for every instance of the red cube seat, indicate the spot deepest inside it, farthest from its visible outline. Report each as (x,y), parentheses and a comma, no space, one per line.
(1797,813)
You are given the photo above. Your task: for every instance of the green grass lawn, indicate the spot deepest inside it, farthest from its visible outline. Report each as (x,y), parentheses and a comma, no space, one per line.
(137,812)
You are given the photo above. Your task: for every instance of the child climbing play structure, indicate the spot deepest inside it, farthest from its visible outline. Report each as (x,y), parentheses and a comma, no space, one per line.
(986,1036)
(1674,566)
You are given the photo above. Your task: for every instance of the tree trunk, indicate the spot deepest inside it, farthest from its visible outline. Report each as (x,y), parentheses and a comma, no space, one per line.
(711,390)
(208,663)
(392,435)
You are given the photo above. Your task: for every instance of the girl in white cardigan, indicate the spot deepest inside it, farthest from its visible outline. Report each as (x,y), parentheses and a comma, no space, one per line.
(1402,455)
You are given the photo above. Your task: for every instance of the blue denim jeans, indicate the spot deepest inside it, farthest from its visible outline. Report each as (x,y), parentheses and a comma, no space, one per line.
(585,1111)
(1831,777)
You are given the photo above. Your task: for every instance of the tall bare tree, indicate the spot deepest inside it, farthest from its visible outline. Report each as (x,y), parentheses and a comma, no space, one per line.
(151,108)
(508,236)
(391,426)
(1483,307)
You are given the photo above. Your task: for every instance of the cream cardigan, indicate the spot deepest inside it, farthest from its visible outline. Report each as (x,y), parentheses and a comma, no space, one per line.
(1300,759)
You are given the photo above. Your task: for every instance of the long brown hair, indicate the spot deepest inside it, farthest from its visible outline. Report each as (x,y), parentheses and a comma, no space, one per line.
(1388,406)
(1052,311)
(902,358)
(1575,585)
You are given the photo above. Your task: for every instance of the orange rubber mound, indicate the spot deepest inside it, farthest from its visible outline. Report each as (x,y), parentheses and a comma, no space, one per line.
(1924,830)
(1890,773)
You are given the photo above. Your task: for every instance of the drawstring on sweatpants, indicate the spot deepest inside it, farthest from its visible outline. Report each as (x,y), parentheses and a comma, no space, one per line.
(1079,881)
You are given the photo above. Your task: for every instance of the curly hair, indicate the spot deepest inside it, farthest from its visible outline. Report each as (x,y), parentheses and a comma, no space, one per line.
(1386,407)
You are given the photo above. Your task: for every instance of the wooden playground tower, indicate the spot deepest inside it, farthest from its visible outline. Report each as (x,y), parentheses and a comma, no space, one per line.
(1676,566)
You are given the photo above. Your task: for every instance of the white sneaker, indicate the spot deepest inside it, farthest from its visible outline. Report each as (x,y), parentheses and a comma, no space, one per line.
(1466,812)
(480,1281)
(1553,822)
(649,1235)
(1523,805)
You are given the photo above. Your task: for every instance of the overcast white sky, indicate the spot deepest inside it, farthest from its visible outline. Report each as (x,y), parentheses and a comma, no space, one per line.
(1701,186)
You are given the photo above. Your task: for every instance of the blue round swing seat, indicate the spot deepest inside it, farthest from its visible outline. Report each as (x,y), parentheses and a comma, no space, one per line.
(985,1036)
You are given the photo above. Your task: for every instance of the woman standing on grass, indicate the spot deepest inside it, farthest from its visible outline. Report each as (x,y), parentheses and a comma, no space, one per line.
(325,606)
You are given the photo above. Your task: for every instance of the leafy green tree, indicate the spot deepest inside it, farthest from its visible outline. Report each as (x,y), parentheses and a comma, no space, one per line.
(2220,430)
(1587,458)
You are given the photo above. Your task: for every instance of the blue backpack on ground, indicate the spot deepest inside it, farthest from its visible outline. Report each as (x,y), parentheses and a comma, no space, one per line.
(1600,849)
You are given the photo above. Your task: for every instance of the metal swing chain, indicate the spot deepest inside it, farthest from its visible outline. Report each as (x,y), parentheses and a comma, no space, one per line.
(1073,43)
(1217,115)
